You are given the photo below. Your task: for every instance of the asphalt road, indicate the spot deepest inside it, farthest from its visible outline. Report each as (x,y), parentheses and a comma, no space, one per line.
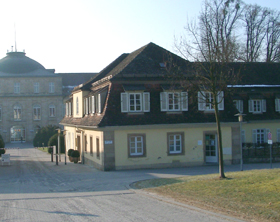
(33,188)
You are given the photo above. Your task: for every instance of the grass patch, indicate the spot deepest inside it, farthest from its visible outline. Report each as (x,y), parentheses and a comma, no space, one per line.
(44,149)
(248,194)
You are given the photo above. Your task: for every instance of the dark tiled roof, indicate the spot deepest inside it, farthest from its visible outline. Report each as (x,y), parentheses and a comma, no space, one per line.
(147,61)
(75,79)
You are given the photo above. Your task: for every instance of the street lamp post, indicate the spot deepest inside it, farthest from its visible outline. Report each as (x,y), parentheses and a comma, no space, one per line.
(240,120)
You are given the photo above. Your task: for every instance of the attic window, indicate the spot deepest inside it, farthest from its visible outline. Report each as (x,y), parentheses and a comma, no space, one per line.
(162,65)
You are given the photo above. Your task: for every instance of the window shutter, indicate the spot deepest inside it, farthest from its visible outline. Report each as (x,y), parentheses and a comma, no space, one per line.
(184,101)
(241,106)
(124,102)
(99,103)
(220,100)
(89,105)
(92,104)
(201,101)
(163,101)
(254,138)
(264,105)
(146,102)
(277,105)
(250,106)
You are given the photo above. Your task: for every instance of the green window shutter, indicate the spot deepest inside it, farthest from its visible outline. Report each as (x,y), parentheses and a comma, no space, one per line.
(220,100)
(163,101)
(184,101)
(201,101)
(124,102)
(146,102)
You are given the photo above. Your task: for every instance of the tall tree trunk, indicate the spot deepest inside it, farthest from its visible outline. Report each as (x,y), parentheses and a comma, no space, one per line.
(220,146)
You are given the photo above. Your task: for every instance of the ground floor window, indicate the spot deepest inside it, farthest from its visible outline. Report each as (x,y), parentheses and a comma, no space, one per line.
(97,148)
(90,146)
(136,145)
(260,135)
(175,143)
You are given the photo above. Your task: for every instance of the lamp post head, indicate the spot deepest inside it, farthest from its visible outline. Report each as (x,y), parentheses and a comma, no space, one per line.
(240,116)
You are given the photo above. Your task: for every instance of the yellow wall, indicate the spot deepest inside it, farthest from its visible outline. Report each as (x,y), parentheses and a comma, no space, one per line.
(156,146)
(248,127)
(70,142)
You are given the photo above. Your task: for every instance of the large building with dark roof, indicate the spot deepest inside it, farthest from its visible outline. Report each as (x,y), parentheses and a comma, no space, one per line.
(131,115)
(31,96)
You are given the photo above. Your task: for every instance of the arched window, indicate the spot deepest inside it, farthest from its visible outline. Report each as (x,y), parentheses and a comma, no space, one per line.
(17,112)
(36,112)
(52,110)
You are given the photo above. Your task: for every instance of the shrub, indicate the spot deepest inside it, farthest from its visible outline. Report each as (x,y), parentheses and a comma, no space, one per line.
(53,142)
(50,149)
(69,152)
(44,134)
(75,153)
(2,151)
(2,144)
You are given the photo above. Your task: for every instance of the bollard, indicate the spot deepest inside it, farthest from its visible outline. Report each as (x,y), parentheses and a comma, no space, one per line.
(65,158)
(56,156)
(52,156)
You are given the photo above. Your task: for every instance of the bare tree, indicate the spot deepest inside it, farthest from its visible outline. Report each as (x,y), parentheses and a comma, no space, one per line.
(272,44)
(255,18)
(212,45)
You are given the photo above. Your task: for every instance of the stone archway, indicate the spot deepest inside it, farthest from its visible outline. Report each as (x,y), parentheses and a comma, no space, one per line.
(17,134)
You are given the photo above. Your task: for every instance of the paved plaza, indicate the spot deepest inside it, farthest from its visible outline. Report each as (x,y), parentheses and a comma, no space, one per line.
(33,188)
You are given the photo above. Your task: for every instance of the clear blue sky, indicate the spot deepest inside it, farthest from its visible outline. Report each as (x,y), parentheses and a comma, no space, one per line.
(86,35)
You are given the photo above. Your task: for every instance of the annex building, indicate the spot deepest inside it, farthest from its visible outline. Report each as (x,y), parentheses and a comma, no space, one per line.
(31,96)
(131,116)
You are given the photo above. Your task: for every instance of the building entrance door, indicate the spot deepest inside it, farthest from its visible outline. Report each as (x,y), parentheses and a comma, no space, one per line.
(211,154)
(17,134)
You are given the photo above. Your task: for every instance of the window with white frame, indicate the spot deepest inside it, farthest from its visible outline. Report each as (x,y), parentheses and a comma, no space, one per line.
(277,105)
(51,87)
(77,105)
(175,143)
(89,105)
(257,105)
(136,145)
(93,104)
(260,135)
(52,110)
(66,109)
(239,105)
(17,112)
(206,101)
(135,102)
(16,87)
(36,87)
(70,109)
(174,101)
(36,112)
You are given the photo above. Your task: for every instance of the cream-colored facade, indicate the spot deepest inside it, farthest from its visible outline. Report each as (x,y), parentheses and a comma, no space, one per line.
(97,145)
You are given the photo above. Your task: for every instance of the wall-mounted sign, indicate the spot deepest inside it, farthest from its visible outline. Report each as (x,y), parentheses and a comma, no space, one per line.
(108,142)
